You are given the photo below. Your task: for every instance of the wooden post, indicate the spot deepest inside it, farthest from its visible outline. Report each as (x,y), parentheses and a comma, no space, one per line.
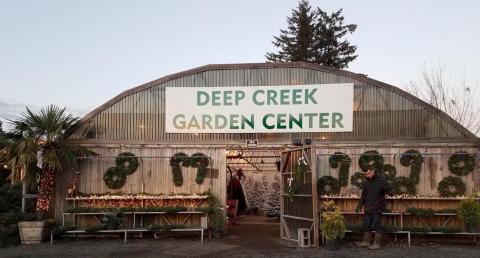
(316,219)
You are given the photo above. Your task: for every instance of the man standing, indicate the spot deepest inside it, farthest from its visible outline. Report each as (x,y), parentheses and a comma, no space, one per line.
(373,201)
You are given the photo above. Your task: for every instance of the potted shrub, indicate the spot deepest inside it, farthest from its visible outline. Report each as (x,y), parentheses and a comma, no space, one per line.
(37,148)
(333,225)
(34,229)
(111,221)
(216,216)
(469,213)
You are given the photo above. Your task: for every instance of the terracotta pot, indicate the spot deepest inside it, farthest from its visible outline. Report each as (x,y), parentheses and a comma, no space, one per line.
(32,232)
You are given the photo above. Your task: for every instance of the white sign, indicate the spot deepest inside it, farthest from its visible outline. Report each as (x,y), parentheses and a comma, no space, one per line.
(252,143)
(260,109)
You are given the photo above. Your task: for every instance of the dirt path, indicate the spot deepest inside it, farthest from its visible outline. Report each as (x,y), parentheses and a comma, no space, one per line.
(250,238)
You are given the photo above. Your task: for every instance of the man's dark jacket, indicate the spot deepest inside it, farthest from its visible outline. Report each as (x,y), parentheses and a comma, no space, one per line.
(373,194)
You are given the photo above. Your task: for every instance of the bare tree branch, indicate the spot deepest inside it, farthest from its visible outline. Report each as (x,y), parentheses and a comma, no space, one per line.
(458,99)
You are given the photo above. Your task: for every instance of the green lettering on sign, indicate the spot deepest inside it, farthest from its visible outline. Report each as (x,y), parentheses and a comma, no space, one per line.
(337,119)
(264,120)
(202,98)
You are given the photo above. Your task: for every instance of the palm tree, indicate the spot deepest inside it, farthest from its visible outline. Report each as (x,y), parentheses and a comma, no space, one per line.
(39,139)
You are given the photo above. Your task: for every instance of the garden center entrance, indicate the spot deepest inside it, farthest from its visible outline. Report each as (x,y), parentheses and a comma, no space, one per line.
(270,185)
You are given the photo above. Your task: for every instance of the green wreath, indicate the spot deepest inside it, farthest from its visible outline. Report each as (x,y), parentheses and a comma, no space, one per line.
(175,161)
(389,171)
(127,161)
(328,185)
(403,185)
(199,161)
(444,187)
(115,177)
(370,159)
(414,160)
(455,163)
(292,189)
(300,169)
(358,179)
(341,159)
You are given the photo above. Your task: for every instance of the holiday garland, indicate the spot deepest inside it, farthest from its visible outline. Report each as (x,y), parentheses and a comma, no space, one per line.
(328,185)
(414,159)
(126,163)
(461,163)
(175,161)
(389,171)
(358,179)
(197,160)
(300,169)
(444,187)
(115,177)
(292,189)
(342,159)
(403,185)
(370,160)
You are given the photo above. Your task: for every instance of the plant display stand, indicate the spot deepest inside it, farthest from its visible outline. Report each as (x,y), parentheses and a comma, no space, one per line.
(304,237)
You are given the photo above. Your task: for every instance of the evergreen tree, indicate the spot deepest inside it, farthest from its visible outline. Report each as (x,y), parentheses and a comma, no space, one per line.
(255,194)
(296,42)
(316,37)
(272,204)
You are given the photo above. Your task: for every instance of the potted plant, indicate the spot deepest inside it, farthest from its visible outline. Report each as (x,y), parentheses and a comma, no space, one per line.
(333,225)
(469,213)
(111,221)
(37,148)
(216,216)
(34,229)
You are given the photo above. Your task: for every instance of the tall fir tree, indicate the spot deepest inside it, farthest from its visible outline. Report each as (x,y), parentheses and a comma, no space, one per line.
(331,49)
(316,37)
(296,42)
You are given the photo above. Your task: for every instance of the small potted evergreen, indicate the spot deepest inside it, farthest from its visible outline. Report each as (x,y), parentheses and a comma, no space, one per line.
(469,213)
(333,225)
(111,221)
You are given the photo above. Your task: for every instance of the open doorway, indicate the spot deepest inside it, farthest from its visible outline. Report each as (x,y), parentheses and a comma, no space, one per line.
(253,193)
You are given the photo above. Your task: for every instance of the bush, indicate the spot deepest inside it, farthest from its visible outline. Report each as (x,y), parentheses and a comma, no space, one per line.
(333,226)
(422,213)
(93,229)
(10,215)
(469,211)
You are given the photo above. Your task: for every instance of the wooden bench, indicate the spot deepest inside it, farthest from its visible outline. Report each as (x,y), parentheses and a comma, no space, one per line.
(135,230)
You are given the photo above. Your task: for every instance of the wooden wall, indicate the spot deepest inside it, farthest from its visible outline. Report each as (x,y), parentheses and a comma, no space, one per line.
(434,168)
(154,174)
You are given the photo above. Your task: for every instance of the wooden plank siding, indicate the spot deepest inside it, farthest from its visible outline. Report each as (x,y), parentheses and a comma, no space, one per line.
(381,112)
(154,174)
(434,168)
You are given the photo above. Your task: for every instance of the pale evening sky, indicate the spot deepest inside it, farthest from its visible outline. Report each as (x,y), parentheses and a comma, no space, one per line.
(80,54)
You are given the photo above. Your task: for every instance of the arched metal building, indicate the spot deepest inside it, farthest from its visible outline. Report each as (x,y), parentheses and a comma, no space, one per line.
(385,118)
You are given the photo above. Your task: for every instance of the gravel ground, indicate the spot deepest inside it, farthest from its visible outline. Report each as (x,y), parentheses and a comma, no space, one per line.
(256,239)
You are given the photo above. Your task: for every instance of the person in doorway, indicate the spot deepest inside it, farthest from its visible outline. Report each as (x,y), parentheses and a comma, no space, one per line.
(373,202)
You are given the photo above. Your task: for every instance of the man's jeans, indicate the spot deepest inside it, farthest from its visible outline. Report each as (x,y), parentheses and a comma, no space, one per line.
(372,221)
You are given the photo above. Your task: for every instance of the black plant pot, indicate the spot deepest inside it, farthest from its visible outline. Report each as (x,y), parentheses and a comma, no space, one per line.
(217,234)
(472,227)
(112,226)
(333,245)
